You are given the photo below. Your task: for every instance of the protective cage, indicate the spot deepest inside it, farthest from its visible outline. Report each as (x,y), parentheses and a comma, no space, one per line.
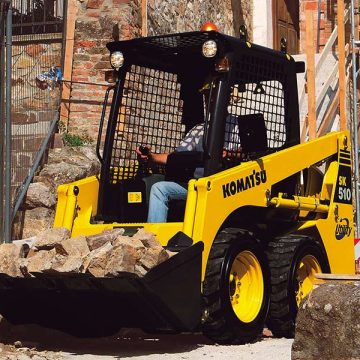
(158,99)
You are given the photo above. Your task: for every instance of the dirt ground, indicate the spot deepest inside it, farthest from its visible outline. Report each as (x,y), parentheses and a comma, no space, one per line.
(29,342)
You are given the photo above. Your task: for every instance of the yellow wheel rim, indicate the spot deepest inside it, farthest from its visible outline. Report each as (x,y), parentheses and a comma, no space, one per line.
(246,286)
(305,276)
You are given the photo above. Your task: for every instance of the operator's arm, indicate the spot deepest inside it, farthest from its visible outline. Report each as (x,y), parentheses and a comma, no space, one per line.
(158,159)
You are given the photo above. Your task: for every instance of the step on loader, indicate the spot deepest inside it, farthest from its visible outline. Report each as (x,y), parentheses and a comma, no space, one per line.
(254,230)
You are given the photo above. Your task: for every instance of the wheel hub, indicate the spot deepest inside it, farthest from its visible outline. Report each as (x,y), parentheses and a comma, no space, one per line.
(305,276)
(246,286)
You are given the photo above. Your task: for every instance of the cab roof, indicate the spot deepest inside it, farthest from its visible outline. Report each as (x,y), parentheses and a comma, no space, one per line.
(173,52)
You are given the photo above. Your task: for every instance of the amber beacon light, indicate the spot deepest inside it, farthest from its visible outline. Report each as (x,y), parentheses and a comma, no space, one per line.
(209,26)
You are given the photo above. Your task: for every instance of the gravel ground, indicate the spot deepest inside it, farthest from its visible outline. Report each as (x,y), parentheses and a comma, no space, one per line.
(38,344)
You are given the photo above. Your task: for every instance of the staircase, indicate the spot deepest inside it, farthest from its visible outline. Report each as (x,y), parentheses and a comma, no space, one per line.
(327,88)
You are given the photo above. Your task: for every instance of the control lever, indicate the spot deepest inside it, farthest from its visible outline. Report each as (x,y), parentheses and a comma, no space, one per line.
(144,150)
(143,169)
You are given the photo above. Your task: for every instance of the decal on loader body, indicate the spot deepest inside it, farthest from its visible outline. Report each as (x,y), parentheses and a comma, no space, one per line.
(245,183)
(342,229)
(343,191)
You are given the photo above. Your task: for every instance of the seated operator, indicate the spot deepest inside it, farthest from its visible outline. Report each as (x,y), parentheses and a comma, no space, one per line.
(163,191)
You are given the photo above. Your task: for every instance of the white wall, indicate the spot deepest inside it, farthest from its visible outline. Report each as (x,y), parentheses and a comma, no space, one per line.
(262,23)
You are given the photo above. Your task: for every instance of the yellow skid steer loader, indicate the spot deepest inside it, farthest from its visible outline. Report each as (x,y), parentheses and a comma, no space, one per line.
(254,229)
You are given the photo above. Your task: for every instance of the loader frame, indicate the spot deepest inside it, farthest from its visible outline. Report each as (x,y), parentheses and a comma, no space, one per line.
(269,192)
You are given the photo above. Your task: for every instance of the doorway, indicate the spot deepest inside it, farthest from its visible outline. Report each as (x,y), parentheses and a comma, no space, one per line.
(286,24)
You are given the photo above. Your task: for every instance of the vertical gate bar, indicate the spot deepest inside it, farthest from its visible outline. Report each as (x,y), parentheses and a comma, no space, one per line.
(355,121)
(7,226)
(318,27)
(310,73)
(2,114)
(342,64)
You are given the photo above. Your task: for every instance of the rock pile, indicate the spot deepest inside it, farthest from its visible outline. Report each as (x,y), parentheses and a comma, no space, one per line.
(64,165)
(107,254)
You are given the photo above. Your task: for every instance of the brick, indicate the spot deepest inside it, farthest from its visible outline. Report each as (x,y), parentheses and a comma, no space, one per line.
(85,44)
(34,50)
(102,65)
(23,118)
(80,71)
(94,4)
(311,5)
(120,2)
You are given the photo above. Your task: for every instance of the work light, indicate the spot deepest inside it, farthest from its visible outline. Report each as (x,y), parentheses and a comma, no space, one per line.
(209,48)
(117,59)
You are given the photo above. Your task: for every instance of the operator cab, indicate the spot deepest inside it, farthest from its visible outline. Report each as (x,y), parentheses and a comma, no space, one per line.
(159,97)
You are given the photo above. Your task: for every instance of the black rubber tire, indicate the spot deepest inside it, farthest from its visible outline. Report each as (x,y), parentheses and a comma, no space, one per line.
(284,255)
(220,322)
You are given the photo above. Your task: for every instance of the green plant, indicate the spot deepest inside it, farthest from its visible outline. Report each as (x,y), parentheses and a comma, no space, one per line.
(73,140)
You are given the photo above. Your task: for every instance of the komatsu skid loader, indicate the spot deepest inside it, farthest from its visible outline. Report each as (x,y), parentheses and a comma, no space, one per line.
(254,229)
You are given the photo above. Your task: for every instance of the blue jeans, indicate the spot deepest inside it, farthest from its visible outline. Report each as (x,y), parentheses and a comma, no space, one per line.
(160,195)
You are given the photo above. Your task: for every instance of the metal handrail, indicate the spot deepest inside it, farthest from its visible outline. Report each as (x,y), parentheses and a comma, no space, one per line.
(103,112)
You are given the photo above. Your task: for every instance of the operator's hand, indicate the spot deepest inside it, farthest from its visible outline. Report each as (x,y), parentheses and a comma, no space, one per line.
(143,152)
(236,154)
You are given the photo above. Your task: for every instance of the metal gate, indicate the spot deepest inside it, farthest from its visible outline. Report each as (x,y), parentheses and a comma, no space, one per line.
(34,45)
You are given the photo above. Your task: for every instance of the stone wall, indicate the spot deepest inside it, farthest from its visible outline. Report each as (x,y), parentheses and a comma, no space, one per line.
(178,16)
(101,21)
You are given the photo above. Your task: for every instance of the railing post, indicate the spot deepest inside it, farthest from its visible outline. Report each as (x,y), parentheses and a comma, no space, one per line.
(342,73)
(8,221)
(3,9)
(354,128)
(310,73)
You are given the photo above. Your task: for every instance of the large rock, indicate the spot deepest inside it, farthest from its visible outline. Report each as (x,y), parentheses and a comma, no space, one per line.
(95,263)
(41,261)
(49,238)
(65,165)
(10,255)
(147,238)
(79,155)
(124,256)
(40,195)
(153,257)
(71,264)
(63,173)
(37,220)
(327,325)
(98,240)
(104,255)
(73,247)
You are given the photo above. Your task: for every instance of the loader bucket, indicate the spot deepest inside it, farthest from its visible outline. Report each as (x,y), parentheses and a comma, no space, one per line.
(166,299)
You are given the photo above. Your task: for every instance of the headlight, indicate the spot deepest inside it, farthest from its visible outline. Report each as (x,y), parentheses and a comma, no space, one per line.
(209,48)
(117,59)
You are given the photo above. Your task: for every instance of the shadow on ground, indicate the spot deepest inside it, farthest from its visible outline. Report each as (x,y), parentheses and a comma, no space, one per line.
(128,342)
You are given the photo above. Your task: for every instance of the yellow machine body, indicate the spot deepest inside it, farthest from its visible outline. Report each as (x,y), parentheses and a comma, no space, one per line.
(212,199)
